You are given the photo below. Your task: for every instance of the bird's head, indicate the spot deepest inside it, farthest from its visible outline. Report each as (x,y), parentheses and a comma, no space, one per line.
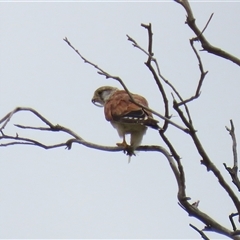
(102,94)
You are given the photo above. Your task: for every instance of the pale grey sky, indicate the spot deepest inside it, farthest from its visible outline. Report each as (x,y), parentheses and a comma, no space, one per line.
(86,193)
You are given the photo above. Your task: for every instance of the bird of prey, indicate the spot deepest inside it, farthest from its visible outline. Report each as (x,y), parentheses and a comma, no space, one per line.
(124,115)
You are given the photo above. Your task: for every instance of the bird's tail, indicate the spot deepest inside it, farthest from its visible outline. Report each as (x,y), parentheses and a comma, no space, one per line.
(151,122)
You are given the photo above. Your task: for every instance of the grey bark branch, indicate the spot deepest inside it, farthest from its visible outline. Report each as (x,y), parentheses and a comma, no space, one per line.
(205,44)
(234,170)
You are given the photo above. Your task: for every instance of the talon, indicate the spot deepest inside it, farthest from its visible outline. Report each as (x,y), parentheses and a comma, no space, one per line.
(129,151)
(126,148)
(123,144)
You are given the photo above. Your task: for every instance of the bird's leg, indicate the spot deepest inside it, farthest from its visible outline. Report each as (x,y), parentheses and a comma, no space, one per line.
(127,148)
(123,144)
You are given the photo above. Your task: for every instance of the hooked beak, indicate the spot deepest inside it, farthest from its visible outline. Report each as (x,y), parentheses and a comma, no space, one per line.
(96,103)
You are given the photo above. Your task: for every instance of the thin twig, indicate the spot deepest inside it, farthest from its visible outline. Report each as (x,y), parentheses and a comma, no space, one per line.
(202,76)
(234,147)
(234,170)
(231,216)
(203,235)
(203,73)
(205,26)
(152,70)
(7,118)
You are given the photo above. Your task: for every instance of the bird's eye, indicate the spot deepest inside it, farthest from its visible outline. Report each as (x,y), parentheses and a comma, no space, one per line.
(100,93)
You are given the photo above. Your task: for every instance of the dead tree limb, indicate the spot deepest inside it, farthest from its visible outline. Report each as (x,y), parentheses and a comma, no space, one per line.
(234,170)
(203,235)
(191,22)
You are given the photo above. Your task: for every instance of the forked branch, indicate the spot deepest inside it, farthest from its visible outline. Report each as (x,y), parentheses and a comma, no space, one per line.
(202,76)
(199,34)
(203,235)
(74,137)
(207,161)
(234,170)
(192,209)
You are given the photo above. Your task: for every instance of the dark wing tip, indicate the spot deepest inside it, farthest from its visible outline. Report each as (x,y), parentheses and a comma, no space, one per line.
(150,122)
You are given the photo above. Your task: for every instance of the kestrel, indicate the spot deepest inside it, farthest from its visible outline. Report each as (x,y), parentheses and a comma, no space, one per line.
(124,115)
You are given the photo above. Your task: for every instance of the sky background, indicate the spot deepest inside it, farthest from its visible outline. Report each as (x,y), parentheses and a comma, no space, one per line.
(86,193)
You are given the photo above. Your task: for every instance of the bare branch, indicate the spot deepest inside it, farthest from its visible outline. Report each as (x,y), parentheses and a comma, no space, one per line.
(191,209)
(178,171)
(202,76)
(68,144)
(205,44)
(206,25)
(150,57)
(234,170)
(171,155)
(181,192)
(211,224)
(152,70)
(206,160)
(7,118)
(203,235)
(231,216)
(27,141)
(135,44)
(107,75)
(234,147)
(77,139)
(150,39)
